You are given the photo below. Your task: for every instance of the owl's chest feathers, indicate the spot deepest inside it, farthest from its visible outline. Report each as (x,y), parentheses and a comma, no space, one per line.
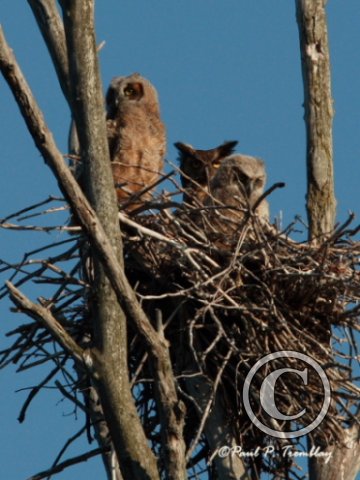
(231,195)
(137,130)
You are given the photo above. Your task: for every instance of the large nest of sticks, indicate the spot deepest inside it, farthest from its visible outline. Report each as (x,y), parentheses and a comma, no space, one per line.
(230,294)
(225,296)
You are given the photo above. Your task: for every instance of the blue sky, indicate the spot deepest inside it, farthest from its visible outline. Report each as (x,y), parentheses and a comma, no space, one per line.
(225,70)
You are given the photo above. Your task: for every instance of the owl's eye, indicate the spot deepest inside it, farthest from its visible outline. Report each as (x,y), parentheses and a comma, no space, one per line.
(129,91)
(216,164)
(259,182)
(134,90)
(197,164)
(241,177)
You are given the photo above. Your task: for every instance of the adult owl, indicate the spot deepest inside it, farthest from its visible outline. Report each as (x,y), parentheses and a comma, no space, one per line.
(137,137)
(198,167)
(238,184)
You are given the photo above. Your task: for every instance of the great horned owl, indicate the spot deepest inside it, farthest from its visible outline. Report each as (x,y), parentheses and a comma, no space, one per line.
(136,134)
(239,183)
(198,167)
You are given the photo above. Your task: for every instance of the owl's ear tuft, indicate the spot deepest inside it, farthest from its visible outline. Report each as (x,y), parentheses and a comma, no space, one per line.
(226,149)
(185,149)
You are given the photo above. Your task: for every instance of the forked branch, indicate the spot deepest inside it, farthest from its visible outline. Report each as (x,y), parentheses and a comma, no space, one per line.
(103,247)
(71,190)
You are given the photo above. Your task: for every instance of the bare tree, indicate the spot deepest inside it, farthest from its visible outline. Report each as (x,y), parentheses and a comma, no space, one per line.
(109,352)
(161,362)
(321,203)
(318,102)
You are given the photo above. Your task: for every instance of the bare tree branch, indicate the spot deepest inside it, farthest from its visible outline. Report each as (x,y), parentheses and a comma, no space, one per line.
(218,429)
(109,322)
(157,343)
(46,145)
(171,412)
(67,463)
(344,461)
(45,317)
(240,291)
(52,29)
(321,202)
(35,390)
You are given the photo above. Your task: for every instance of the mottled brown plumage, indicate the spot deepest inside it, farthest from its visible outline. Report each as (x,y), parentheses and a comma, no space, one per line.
(198,167)
(137,137)
(238,184)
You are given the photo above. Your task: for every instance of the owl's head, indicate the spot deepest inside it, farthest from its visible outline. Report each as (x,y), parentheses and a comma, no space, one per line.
(248,173)
(125,92)
(201,165)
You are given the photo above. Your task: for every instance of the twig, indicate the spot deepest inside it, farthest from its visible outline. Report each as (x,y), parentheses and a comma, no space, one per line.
(34,391)
(146,231)
(206,410)
(267,193)
(67,463)
(70,397)
(66,446)
(45,143)
(35,228)
(44,316)
(32,207)
(52,30)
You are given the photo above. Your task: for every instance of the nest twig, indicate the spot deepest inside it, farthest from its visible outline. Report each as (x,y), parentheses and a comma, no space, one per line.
(229,295)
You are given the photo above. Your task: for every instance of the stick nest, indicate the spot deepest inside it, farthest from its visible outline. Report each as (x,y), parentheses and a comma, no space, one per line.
(225,293)
(231,293)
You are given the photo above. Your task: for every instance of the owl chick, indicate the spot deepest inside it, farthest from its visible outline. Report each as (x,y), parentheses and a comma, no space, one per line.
(239,183)
(198,167)
(137,137)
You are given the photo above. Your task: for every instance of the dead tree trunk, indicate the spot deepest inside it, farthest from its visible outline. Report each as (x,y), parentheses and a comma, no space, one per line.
(318,104)
(109,321)
(114,301)
(344,461)
(217,429)
(52,29)
(321,203)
